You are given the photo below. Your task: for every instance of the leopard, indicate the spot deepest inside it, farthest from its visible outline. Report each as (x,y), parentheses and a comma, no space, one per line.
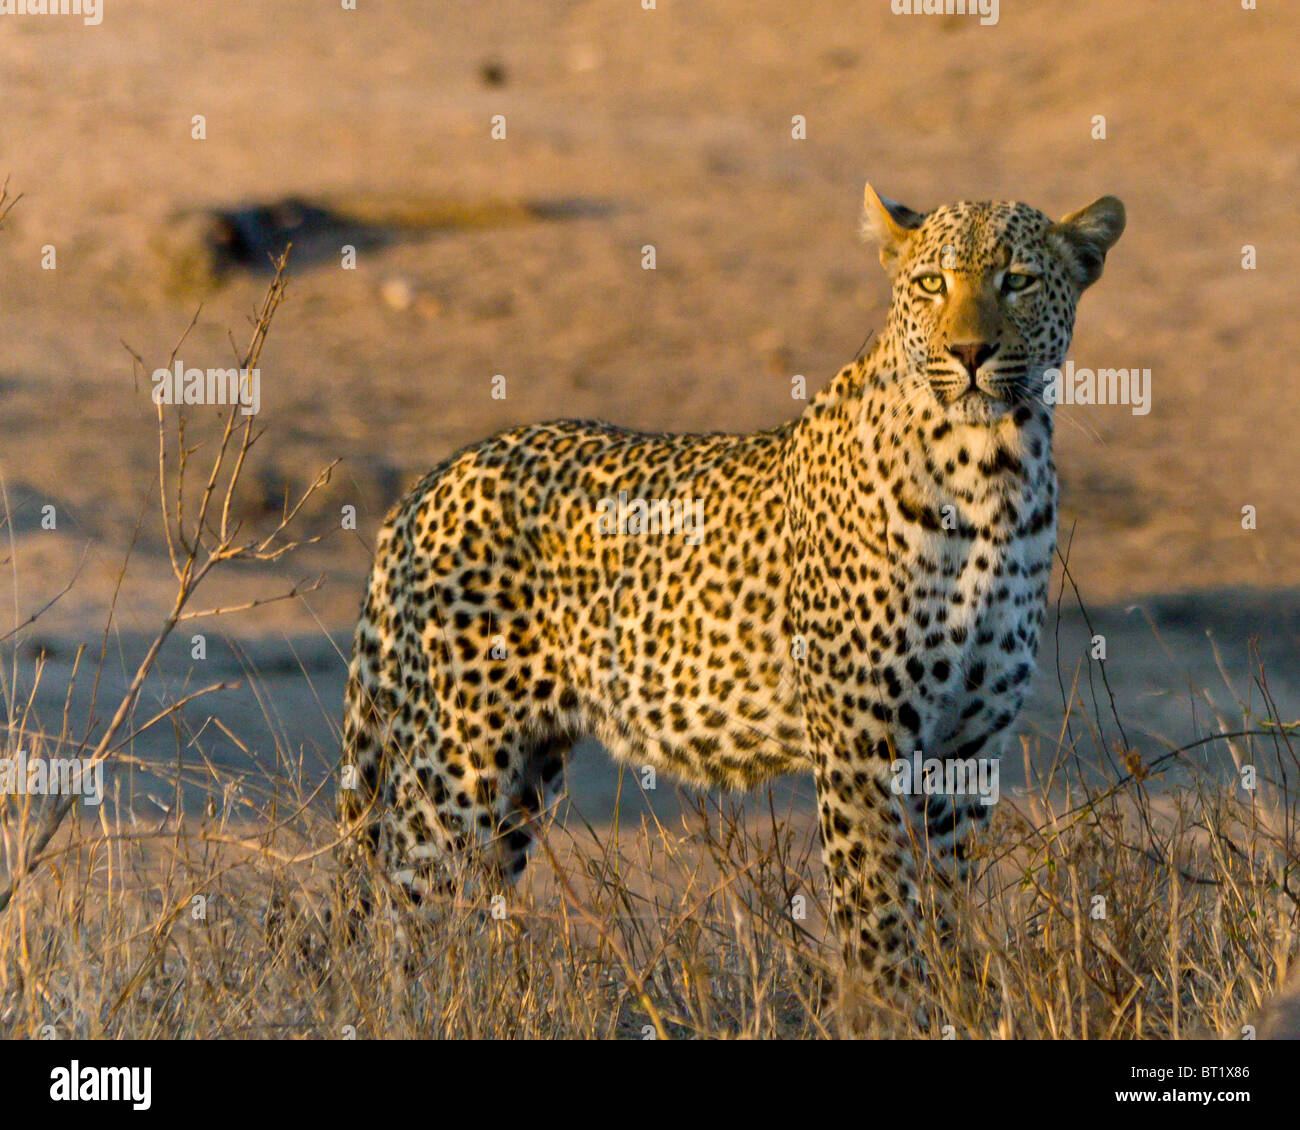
(855,587)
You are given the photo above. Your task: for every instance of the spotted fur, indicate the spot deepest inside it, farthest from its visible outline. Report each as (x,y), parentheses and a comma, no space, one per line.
(869,581)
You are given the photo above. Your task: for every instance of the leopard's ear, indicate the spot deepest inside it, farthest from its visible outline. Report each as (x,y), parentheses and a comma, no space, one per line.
(889,225)
(1082,238)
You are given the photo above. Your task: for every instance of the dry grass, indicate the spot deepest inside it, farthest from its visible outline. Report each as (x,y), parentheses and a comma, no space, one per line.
(714,928)
(654,931)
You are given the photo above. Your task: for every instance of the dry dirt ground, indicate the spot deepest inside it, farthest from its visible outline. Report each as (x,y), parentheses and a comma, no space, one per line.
(671,128)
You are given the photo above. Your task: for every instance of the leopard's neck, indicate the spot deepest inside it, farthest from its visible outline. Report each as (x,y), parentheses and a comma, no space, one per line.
(878,423)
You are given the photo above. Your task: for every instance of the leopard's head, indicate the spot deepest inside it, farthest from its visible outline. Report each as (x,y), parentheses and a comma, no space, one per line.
(984,296)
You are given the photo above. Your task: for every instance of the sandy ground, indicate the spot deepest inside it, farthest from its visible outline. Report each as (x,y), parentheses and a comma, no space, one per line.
(671,128)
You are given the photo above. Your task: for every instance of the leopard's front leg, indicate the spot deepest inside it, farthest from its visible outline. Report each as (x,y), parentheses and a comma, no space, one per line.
(896,848)
(892,851)
(871,883)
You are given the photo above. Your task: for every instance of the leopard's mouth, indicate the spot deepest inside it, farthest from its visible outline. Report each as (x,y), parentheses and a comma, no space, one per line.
(989,396)
(950,392)
(976,404)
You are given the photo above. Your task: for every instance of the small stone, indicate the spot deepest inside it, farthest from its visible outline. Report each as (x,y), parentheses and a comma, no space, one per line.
(396,293)
(585,57)
(492,72)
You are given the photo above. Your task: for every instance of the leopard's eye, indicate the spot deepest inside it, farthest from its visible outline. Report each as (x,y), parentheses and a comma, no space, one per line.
(930,284)
(1013,282)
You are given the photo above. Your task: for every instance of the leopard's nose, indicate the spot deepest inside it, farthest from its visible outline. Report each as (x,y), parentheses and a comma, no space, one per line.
(972,354)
